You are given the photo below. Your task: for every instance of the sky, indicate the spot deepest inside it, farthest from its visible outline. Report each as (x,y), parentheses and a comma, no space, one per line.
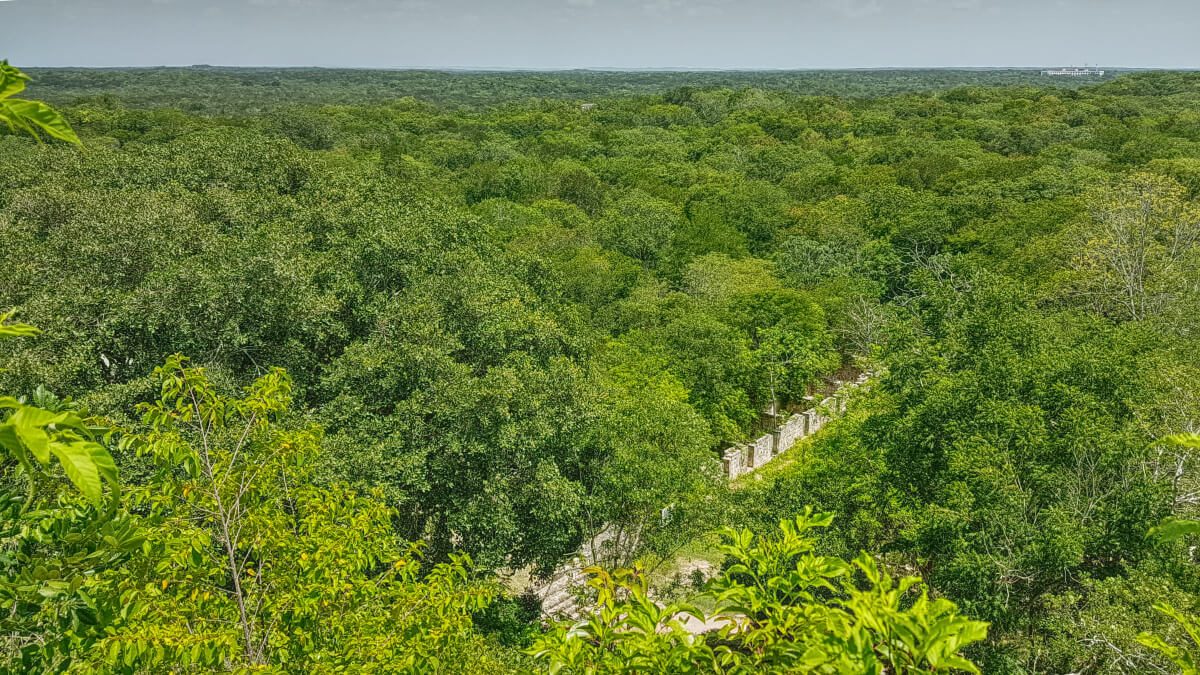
(626,34)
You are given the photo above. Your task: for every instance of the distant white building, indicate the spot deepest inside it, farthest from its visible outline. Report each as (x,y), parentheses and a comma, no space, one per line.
(1075,72)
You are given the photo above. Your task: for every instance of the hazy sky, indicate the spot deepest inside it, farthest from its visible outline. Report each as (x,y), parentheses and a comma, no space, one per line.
(602,33)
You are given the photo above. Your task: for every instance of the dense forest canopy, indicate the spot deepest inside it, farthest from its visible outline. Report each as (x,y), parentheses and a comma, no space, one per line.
(366,345)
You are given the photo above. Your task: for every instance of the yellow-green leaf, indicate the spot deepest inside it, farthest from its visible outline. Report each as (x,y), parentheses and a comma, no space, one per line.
(77,463)
(23,112)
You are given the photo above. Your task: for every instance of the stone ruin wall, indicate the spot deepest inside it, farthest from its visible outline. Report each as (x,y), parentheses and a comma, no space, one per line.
(741,459)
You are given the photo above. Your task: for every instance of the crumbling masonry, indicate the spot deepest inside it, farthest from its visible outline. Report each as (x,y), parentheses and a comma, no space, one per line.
(742,459)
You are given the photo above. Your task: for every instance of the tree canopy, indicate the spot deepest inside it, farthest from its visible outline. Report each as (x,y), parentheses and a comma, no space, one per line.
(330,367)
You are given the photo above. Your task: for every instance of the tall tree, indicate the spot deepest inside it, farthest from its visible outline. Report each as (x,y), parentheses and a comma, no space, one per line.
(1143,246)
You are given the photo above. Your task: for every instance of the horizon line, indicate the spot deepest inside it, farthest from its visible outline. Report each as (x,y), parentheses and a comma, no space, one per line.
(606,69)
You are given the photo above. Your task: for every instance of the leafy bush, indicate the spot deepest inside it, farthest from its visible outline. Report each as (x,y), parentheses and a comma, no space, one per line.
(784,609)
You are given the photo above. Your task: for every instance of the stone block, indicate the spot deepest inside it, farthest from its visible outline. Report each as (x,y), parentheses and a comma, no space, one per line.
(760,451)
(732,461)
(789,432)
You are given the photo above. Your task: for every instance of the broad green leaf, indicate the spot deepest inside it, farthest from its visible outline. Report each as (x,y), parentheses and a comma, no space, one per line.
(36,417)
(40,114)
(9,439)
(1184,440)
(105,466)
(1186,623)
(1173,529)
(12,80)
(17,330)
(36,439)
(76,459)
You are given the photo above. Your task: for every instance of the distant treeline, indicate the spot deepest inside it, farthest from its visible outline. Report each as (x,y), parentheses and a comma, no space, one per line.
(241,91)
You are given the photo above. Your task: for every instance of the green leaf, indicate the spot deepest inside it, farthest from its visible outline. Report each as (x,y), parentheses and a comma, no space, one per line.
(105,465)
(77,462)
(12,80)
(1173,529)
(1184,440)
(10,440)
(17,330)
(36,417)
(37,440)
(22,112)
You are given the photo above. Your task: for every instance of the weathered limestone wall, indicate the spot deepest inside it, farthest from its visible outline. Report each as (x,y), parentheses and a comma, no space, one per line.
(761,451)
(731,462)
(739,459)
(794,429)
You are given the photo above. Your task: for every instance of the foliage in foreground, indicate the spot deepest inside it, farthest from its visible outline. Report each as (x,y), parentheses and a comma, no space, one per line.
(228,558)
(57,534)
(784,610)
(29,116)
(1170,530)
(248,563)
